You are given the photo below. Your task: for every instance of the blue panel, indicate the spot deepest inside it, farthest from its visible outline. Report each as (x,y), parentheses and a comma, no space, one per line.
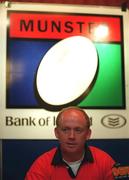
(24,61)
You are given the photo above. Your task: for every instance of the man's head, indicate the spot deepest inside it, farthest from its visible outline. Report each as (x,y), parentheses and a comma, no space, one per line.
(73,129)
(72,109)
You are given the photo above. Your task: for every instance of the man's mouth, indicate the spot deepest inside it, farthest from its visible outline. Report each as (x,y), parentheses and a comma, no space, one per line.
(71,144)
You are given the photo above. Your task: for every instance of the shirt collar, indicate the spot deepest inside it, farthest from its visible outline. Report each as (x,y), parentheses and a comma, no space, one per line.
(57,159)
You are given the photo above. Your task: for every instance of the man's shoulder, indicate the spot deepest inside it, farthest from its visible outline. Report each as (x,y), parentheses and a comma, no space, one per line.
(50,152)
(97,153)
(96,149)
(48,155)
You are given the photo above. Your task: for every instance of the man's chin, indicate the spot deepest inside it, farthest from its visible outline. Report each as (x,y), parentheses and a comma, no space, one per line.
(71,149)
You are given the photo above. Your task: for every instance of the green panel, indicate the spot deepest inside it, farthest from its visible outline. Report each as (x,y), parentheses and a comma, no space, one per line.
(107,90)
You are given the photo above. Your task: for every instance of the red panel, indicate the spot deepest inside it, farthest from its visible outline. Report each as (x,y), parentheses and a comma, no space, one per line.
(59,26)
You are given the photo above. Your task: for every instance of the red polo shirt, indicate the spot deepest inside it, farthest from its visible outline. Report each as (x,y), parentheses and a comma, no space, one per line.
(96,165)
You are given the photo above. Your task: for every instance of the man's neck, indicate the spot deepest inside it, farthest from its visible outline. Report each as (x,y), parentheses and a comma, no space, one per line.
(71,157)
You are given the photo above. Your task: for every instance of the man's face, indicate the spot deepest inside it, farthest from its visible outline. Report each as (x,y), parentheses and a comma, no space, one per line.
(72,131)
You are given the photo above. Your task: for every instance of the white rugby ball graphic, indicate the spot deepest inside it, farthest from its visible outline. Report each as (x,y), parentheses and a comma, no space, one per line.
(67,70)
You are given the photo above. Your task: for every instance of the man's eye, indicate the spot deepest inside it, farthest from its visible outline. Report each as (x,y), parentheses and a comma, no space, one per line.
(78,130)
(65,129)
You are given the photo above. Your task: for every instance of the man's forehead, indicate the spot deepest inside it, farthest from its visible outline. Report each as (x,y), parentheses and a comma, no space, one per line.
(72,113)
(73,118)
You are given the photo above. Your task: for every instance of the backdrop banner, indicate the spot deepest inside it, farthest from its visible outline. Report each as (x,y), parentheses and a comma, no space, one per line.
(52,59)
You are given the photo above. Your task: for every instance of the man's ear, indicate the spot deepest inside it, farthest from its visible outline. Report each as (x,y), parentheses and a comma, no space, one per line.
(56,132)
(88,134)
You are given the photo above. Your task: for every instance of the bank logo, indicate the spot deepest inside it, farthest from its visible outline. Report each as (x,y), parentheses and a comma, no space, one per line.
(113,121)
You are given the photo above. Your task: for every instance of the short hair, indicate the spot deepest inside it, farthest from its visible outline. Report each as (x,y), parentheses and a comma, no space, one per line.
(76,108)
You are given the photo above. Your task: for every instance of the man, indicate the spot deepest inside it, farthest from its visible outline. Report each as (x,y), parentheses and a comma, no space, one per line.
(73,159)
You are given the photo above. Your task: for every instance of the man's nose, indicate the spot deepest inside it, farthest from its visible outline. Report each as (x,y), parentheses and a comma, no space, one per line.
(72,134)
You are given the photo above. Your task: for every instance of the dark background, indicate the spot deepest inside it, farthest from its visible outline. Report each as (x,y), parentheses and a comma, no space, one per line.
(18,155)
